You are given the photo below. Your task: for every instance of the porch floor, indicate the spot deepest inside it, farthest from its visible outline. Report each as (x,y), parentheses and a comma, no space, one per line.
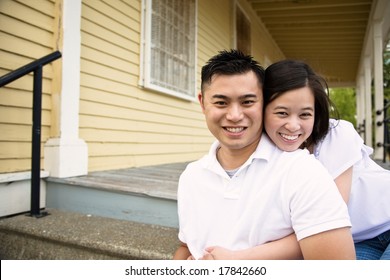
(158,181)
(142,194)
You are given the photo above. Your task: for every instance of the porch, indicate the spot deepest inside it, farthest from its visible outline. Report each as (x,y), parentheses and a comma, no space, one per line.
(104,215)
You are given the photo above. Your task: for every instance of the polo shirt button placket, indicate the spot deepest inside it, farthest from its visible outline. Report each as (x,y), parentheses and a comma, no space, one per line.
(231,189)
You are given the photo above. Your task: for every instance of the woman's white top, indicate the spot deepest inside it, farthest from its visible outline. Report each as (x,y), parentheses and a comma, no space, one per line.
(369,201)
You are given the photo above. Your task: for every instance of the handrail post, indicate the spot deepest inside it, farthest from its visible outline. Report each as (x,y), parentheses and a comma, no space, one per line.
(36,145)
(35,67)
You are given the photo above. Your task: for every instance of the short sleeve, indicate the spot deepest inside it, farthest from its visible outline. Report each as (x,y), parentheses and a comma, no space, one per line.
(340,149)
(314,200)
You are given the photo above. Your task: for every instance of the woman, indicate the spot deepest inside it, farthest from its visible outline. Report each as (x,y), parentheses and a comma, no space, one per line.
(296,115)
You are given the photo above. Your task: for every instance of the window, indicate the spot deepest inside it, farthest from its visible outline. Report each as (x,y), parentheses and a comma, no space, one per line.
(243,32)
(169,47)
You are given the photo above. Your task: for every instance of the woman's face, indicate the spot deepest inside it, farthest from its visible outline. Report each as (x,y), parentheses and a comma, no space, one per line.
(289,119)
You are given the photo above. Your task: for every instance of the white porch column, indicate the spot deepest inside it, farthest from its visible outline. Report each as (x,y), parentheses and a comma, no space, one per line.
(358,111)
(378,84)
(67,155)
(360,102)
(368,103)
(362,107)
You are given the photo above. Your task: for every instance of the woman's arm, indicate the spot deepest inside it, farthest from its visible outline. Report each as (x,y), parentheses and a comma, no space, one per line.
(286,248)
(335,244)
(344,182)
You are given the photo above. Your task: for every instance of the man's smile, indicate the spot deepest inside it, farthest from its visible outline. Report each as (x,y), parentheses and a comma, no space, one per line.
(234,129)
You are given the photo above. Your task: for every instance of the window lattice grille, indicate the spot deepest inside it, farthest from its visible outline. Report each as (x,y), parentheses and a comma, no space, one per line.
(172,48)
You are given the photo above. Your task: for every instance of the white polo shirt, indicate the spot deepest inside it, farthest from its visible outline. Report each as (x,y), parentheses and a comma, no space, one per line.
(272,195)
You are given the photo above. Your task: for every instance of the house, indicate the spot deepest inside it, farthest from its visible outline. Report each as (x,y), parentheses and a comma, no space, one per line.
(124,92)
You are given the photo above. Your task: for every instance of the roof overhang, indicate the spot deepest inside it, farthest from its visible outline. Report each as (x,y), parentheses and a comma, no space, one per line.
(331,35)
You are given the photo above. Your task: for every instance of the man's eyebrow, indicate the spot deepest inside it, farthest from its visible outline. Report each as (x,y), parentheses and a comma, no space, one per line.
(249,95)
(219,96)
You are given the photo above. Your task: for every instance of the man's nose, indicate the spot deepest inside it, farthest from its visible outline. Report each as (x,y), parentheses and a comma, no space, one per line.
(234,113)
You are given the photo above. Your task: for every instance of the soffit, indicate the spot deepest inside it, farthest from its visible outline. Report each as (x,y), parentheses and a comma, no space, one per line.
(327,34)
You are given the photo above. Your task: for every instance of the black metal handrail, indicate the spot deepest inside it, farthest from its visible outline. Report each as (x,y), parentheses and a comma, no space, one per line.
(386,128)
(36,67)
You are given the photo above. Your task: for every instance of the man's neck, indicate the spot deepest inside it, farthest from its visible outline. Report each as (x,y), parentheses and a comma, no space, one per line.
(234,158)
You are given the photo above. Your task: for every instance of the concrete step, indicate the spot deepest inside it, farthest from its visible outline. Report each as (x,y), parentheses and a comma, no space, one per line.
(75,236)
(117,214)
(144,194)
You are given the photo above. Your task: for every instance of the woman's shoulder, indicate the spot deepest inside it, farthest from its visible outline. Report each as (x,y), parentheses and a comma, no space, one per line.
(341,148)
(341,125)
(342,129)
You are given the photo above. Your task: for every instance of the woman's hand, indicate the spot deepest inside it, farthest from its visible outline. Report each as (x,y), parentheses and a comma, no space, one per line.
(218,253)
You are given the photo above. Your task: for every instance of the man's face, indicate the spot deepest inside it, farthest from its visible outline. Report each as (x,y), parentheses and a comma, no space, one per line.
(232,105)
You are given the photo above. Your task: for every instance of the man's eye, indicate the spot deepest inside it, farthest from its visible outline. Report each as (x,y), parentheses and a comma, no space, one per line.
(248,102)
(220,103)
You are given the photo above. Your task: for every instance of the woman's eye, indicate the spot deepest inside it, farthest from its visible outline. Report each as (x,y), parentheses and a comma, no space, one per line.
(306,115)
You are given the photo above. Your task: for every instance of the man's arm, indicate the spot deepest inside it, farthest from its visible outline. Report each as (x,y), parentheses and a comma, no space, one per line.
(335,244)
(182,253)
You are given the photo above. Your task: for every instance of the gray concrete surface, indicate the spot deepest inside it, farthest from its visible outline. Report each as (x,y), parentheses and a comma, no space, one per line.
(74,236)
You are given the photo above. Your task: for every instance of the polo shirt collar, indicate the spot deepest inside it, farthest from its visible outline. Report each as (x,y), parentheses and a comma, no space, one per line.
(263,151)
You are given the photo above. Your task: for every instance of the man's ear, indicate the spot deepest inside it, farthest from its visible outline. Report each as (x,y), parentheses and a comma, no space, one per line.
(200,98)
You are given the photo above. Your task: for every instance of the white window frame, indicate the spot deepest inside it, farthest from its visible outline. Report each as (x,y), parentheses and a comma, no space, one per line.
(147,65)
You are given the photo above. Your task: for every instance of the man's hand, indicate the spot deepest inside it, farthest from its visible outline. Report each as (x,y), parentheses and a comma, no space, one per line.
(182,253)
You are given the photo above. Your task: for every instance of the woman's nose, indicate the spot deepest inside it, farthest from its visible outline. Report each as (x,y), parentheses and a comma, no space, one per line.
(292,125)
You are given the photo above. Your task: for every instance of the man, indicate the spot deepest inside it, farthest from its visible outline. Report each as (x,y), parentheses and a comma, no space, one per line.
(246,192)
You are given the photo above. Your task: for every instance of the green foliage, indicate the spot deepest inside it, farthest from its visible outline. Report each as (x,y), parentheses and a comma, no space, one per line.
(344,100)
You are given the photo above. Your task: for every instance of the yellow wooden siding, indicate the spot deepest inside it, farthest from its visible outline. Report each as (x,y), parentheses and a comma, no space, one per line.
(262,43)
(123,124)
(214,29)
(26,34)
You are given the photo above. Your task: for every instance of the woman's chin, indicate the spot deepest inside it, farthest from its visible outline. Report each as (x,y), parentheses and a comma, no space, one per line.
(290,147)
